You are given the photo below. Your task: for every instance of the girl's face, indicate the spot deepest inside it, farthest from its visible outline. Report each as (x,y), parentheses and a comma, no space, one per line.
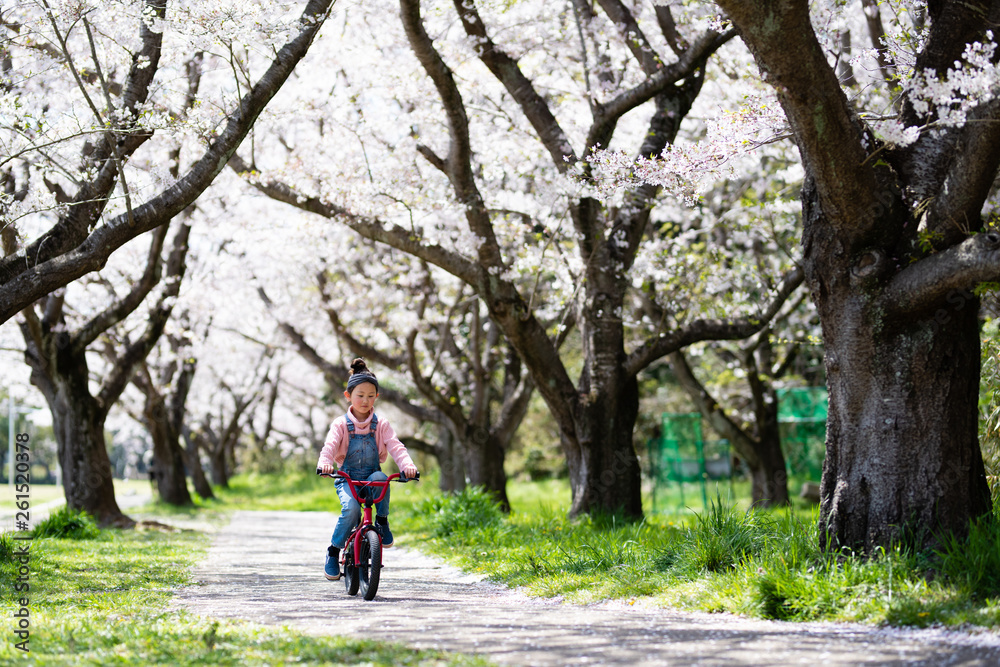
(362,399)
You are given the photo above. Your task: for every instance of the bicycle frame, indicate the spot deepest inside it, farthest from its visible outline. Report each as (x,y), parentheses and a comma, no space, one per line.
(366,509)
(354,539)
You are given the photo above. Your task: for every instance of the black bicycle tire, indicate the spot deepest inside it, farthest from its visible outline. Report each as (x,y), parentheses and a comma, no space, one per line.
(352,580)
(370,564)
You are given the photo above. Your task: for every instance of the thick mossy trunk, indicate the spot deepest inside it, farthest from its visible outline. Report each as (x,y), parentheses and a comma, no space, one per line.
(83,456)
(903,458)
(604,470)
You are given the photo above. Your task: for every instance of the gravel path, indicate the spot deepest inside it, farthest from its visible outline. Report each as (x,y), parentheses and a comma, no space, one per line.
(267,567)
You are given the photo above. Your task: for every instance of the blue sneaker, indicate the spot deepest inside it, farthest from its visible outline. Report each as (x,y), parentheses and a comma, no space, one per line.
(332,567)
(382,525)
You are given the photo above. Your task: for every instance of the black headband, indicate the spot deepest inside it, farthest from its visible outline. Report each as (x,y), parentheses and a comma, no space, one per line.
(361,378)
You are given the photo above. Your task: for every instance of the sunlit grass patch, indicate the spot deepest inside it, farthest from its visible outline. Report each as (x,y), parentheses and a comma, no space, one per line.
(67,523)
(764,563)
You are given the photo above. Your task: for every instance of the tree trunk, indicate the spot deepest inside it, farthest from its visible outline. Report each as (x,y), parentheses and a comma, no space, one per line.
(604,471)
(769,478)
(450,461)
(192,459)
(484,458)
(83,456)
(891,244)
(230,459)
(903,459)
(603,467)
(220,473)
(168,457)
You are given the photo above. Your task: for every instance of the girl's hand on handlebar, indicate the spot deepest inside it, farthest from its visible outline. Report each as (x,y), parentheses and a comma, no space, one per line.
(410,471)
(327,469)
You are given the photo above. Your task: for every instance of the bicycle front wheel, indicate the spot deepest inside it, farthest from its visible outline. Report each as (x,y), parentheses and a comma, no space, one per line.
(370,564)
(351,578)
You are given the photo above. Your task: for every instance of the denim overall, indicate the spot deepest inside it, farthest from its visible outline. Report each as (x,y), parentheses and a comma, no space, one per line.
(360,463)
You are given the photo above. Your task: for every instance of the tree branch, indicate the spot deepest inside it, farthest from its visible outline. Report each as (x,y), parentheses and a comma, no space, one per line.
(830,138)
(711,410)
(665,19)
(91,198)
(632,35)
(508,72)
(459,160)
(956,211)
(607,115)
(927,283)
(357,347)
(28,276)
(334,374)
(876,31)
(700,330)
(453,411)
(116,382)
(515,406)
(370,228)
(122,308)
(306,351)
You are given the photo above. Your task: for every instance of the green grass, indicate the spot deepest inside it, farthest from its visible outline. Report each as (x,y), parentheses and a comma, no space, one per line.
(765,564)
(762,563)
(40,493)
(67,523)
(102,599)
(45,493)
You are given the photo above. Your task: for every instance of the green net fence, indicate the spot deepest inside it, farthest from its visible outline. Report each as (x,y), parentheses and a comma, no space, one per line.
(681,456)
(682,462)
(802,420)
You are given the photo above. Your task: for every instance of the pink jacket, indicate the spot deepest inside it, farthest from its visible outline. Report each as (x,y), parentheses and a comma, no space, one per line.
(335,449)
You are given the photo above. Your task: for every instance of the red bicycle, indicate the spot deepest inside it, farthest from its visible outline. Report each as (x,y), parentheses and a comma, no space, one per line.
(361,557)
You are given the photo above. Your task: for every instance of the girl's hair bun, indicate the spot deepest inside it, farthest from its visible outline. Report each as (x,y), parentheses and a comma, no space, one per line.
(359,366)
(360,374)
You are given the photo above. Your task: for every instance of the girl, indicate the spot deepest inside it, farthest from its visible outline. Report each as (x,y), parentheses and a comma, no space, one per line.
(358,443)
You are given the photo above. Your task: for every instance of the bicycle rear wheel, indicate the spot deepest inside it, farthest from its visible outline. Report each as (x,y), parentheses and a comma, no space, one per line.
(370,565)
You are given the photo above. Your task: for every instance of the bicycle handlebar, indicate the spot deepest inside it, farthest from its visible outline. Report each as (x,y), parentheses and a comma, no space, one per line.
(364,483)
(393,477)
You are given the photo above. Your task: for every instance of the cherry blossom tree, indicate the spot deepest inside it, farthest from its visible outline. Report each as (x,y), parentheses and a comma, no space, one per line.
(57,350)
(165,386)
(90,89)
(748,416)
(901,158)
(498,192)
(742,236)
